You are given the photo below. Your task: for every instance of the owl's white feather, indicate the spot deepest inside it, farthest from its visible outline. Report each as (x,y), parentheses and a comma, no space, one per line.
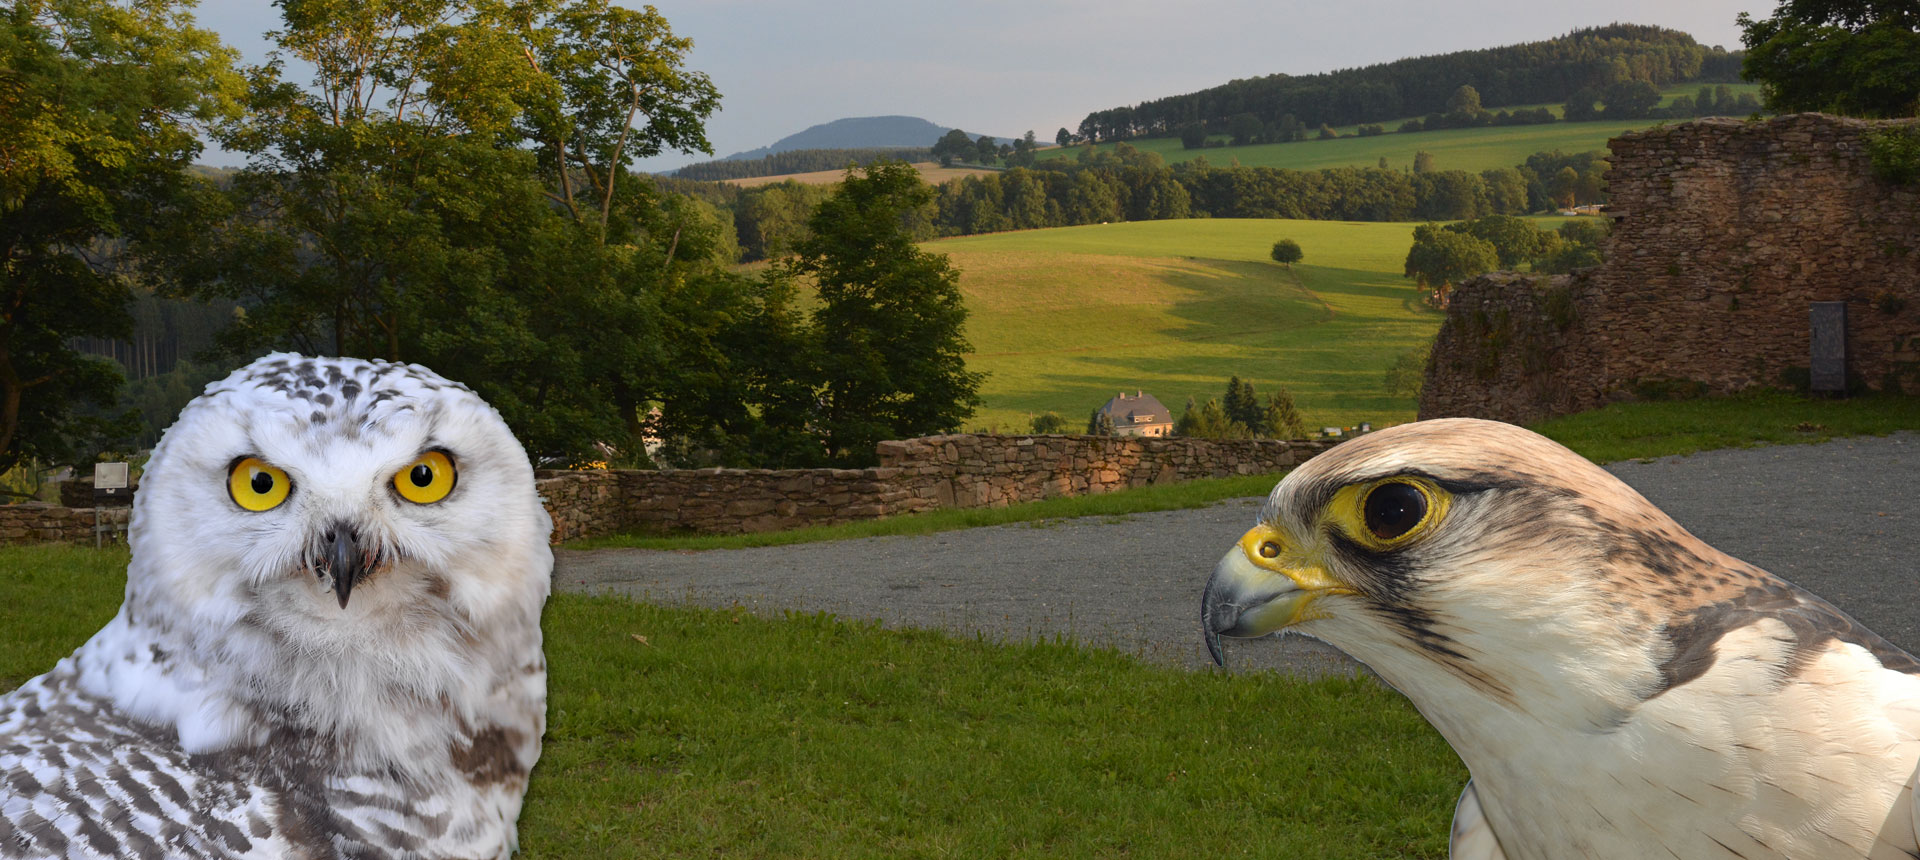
(241,704)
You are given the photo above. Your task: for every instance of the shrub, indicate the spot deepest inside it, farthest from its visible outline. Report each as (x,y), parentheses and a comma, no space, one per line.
(1407,373)
(1049,422)
(1896,154)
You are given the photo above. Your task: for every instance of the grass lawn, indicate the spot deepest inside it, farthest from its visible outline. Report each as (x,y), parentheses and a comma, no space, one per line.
(1063,319)
(724,734)
(1470,149)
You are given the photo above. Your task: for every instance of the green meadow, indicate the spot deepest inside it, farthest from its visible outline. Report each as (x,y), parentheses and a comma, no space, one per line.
(1472,149)
(714,733)
(1063,319)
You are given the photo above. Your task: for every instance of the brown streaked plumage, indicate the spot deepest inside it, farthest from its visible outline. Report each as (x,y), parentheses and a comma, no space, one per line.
(1617,687)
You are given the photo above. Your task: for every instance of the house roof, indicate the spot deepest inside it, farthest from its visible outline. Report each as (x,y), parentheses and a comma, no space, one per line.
(1136,409)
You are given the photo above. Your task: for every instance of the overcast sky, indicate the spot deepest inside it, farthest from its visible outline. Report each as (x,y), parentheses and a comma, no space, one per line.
(1002,68)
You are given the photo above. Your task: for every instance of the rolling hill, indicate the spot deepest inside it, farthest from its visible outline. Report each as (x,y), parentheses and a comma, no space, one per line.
(865,132)
(1472,149)
(1062,319)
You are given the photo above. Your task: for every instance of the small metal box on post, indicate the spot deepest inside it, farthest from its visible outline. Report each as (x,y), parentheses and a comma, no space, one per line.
(1827,368)
(109,485)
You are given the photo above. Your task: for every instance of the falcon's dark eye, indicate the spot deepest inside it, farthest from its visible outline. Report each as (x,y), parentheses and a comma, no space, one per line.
(1393,509)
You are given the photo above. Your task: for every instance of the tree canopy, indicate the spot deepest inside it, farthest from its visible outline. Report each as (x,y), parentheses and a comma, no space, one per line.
(1441,257)
(1853,57)
(100,102)
(892,356)
(1532,73)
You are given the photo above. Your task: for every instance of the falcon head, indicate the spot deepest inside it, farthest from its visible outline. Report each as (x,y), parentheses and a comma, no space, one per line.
(1469,560)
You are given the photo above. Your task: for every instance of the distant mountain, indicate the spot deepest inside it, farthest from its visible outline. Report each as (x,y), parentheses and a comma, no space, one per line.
(865,132)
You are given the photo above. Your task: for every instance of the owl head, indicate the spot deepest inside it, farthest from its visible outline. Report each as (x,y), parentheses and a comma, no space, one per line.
(336,503)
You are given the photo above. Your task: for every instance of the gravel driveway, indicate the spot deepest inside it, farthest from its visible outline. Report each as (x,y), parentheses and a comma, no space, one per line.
(1836,518)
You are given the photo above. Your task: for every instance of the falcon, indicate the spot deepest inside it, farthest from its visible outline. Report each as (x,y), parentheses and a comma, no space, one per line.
(1616,687)
(330,641)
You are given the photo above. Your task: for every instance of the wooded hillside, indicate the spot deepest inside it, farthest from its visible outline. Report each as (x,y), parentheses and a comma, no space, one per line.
(1532,73)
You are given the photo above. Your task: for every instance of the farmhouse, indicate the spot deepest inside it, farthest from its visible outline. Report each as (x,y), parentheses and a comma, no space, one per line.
(1139,415)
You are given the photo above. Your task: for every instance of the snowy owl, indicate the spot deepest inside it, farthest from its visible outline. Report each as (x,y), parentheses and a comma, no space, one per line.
(330,645)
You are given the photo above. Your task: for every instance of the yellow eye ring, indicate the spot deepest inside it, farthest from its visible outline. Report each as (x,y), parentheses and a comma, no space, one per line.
(1389,512)
(256,486)
(427,479)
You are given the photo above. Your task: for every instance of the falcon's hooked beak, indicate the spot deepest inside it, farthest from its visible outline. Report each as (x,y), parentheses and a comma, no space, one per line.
(1264,584)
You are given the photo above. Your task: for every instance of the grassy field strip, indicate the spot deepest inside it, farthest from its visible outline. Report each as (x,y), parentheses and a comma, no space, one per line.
(1062,319)
(1472,149)
(699,733)
(931,172)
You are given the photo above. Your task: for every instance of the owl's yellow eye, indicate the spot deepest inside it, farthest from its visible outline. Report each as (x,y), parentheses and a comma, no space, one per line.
(256,486)
(427,479)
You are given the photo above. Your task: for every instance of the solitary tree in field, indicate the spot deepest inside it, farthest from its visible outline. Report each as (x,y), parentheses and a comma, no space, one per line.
(1063,138)
(1287,252)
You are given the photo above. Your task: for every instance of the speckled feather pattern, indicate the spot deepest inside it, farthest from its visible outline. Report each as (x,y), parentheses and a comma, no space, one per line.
(1618,688)
(234,709)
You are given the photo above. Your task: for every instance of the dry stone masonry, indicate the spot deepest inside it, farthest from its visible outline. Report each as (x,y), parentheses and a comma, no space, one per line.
(1725,231)
(960,471)
(39,522)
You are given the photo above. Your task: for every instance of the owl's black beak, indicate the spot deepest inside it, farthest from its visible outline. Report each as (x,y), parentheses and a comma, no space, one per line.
(345,560)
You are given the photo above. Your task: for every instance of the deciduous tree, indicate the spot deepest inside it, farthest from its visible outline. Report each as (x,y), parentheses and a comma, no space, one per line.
(1854,57)
(889,323)
(1287,252)
(99,105)
(1441,257)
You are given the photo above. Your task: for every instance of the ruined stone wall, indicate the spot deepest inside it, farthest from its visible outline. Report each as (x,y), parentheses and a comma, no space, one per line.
(960,471)
(1724,232)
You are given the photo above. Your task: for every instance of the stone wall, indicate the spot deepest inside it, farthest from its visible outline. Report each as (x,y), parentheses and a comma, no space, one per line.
(1724,232)
(39,522)
(960,471)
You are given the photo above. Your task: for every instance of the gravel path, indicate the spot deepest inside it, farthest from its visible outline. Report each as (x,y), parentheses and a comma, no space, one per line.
(1837,518)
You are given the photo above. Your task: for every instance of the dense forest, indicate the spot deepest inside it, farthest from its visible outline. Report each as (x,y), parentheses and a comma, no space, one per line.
(798,161)
(1127,184)
(1550,71)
